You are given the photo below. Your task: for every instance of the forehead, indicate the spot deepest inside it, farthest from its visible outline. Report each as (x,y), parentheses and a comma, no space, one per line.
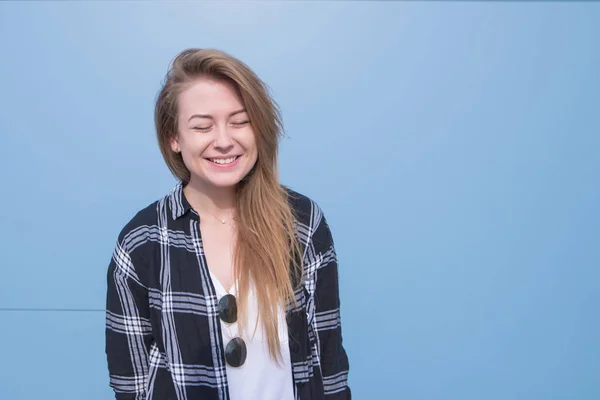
(209,96)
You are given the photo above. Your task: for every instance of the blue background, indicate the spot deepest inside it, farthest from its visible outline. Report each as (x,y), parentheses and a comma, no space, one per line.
(454,147)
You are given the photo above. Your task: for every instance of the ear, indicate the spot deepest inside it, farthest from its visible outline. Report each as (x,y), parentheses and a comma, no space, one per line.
(174,142)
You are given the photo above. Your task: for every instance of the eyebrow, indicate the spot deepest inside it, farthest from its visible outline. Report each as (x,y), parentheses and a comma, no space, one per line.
(243,110)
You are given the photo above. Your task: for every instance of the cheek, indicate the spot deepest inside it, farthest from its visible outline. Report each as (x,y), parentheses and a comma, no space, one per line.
(187,160)
(194,145)
(249,141)
(191,151)
(252,151)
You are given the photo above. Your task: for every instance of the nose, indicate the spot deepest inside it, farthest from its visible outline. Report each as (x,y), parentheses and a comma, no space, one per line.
(223,140)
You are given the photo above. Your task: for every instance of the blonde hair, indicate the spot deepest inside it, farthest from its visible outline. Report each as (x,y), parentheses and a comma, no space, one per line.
(267,250)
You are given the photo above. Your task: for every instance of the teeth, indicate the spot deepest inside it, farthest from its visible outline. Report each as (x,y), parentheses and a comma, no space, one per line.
(223,160)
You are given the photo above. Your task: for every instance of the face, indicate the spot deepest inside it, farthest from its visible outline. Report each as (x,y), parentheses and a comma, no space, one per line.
(215,137)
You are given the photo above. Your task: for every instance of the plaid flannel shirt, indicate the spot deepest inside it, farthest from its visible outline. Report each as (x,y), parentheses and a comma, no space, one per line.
(163,336)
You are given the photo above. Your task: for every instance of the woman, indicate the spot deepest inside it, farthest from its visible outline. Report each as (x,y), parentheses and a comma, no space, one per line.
(226,288)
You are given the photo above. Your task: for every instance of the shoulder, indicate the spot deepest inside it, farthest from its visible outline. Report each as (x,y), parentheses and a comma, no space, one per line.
(139,228)
(310,218)
(305,209)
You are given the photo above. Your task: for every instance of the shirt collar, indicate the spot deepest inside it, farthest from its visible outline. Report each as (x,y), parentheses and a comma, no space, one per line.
(178,202)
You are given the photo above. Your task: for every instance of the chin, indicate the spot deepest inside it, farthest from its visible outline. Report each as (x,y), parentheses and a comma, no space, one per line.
(224,182)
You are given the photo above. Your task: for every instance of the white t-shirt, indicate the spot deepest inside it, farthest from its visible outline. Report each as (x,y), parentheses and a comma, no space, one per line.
(260,377)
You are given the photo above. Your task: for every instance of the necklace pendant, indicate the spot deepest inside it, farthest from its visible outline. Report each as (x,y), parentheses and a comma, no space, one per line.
(223,221)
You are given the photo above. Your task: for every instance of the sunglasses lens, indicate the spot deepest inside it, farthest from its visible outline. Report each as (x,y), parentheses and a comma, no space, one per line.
(228,309)
(235,352)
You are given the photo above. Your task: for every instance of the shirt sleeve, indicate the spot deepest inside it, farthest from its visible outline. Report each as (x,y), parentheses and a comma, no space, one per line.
(334,360)
(128,329)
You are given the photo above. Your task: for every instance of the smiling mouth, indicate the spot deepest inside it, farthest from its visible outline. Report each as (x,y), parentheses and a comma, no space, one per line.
(223,161)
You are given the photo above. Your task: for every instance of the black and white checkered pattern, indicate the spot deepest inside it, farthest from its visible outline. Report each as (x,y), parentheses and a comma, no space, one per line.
(163,336)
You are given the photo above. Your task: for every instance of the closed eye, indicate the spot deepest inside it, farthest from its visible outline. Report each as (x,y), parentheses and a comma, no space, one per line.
(201,128)
(241,123)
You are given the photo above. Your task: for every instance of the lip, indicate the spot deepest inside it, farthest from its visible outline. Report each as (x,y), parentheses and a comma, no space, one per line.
(223,166)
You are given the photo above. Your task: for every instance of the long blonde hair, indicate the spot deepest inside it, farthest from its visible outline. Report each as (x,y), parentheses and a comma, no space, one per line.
(267,250)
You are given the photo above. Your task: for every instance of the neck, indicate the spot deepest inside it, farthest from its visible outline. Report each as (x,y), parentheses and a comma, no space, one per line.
(219,201)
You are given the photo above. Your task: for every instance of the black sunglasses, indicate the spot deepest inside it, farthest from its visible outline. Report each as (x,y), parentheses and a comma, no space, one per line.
(235,351)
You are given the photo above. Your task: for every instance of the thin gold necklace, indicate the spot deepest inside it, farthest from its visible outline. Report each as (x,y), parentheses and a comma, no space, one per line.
(223,221)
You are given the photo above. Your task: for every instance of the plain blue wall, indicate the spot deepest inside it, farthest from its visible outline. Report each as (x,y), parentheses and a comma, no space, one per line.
(453,146)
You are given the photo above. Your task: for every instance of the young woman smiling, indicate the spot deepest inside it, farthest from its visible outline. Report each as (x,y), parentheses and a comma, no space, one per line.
(227,287)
